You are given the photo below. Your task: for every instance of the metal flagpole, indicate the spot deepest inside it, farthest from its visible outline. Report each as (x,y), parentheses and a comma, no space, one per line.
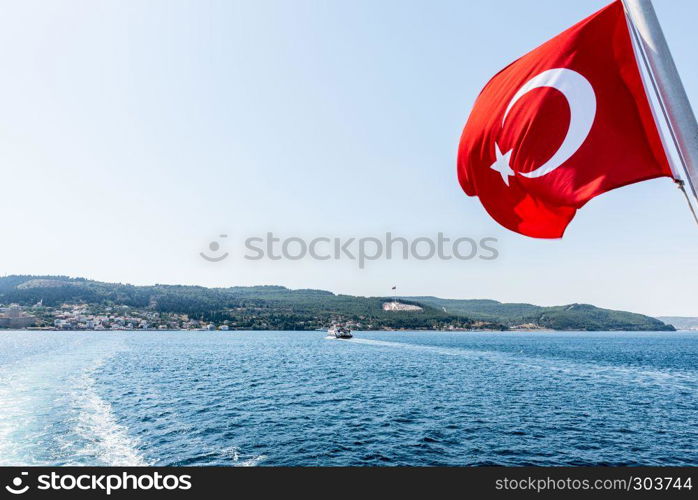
(671,93)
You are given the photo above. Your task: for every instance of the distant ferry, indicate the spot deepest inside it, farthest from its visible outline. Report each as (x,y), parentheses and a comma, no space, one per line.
(339,332)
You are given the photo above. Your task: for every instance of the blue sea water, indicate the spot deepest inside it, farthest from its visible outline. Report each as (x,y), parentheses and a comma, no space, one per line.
(382,398)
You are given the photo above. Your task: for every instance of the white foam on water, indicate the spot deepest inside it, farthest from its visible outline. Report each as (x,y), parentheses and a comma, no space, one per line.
(238,461)
(15,414)
(49,409)
(670,379)
(31,390)
(107,441)
(252,462)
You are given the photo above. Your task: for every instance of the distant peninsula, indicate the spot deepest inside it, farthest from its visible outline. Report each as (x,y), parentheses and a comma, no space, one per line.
(680,322)
(65,303)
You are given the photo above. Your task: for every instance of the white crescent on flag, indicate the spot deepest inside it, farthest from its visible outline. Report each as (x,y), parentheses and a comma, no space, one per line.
(581,99)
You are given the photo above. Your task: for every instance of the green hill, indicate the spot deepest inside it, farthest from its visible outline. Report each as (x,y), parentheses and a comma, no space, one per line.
(277,307)
(567,317)
(680,322)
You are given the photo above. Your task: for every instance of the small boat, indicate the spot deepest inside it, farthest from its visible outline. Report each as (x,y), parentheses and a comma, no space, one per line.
(339,332)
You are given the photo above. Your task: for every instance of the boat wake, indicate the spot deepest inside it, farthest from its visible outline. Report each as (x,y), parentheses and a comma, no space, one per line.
(52,413)
(17,418)
(598,371)
(104,438)
(240,460)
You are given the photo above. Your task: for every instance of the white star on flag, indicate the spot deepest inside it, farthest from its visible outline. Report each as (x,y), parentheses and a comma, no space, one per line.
(501,164)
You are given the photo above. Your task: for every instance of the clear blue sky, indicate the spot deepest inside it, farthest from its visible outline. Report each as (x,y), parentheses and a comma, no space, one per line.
(133,133)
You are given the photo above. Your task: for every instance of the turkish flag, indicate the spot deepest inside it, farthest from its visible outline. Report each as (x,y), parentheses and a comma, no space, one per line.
(564,123)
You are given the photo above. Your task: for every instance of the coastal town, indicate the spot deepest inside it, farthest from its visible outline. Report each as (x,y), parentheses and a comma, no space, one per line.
(121,317)
(89,317)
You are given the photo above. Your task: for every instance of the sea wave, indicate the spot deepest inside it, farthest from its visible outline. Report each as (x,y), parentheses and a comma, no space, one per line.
(16,413)
(52,412)
(670,379)
(281,399)
(104,438)
(240,460)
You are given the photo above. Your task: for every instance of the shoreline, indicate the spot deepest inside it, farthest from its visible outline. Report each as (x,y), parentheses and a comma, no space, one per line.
(484,330)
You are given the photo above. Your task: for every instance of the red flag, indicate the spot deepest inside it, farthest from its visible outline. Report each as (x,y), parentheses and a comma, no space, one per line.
(566,122)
